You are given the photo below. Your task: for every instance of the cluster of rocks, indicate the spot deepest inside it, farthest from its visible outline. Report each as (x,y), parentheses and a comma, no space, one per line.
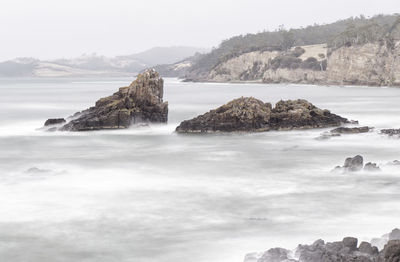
(391,132)
(354,164)
(141,101)
(249,114)
(346,250)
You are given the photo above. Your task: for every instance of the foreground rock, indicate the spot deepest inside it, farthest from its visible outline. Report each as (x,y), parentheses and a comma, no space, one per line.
(247,114)
(141,101)
(354,164)
(346,250)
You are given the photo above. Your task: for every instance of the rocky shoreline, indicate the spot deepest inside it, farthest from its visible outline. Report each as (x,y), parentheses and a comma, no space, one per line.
(383,249)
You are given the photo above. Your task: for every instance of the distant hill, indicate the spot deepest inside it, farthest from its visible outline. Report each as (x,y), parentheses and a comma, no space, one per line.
(96,65)
(166,55)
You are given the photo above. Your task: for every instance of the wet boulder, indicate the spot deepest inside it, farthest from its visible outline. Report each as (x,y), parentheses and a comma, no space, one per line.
(353,164)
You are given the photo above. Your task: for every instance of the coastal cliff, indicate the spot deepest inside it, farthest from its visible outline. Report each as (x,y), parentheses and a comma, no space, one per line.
(376,64)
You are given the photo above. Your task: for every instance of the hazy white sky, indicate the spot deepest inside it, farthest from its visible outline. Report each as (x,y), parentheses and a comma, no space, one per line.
(69,28)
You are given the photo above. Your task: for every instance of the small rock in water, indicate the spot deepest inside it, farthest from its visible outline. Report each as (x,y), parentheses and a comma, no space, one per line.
(394,163)
(54,121)
(351,130)
(391,132)
(353,164)
(373,167)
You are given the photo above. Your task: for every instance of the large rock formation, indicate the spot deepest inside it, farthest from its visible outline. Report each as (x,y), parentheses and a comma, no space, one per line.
(141,101)
(247,114)
(346,250)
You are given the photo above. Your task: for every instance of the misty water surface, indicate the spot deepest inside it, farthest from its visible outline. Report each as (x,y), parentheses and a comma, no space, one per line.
(149,194)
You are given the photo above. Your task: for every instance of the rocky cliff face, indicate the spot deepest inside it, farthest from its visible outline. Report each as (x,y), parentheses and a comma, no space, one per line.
(249,66)
(141,101)
(369,64)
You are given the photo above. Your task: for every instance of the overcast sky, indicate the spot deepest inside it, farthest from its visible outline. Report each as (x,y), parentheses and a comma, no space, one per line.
(68,28)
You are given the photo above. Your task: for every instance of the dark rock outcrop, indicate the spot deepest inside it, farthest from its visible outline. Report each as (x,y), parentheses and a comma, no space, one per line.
(351,130)
(391,132)
(373,167)
(247,114)
(354,164)
(141,101)
(340,251)
(242,114)
(54,121)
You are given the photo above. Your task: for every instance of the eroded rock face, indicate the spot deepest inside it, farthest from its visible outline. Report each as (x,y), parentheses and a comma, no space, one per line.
(252,115)
(141,101)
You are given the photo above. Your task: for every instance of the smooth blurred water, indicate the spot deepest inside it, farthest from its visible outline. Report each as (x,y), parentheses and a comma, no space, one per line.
(149,194)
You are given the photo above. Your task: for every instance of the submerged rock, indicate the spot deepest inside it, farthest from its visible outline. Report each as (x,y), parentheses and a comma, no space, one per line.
(351,130)
(354,163)
(373,167)
(140,102)
(247,114)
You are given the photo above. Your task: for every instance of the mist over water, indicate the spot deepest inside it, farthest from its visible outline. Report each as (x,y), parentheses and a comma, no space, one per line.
(149,194)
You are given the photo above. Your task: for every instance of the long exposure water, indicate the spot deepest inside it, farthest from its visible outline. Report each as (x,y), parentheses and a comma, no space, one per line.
(149,194)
